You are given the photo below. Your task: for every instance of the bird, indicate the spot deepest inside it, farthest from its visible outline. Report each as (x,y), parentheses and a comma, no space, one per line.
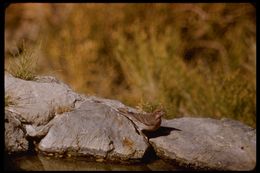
(145,121)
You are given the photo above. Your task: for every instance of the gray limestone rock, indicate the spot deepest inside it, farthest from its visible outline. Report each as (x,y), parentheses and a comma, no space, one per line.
(97,130)
(68,123)
(14,134)
(205,143)
(38,101)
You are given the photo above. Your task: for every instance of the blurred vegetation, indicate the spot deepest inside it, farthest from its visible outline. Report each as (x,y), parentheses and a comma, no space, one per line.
(194,59)
(25,63)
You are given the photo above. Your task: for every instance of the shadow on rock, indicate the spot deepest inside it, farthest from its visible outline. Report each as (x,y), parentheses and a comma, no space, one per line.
(162,131)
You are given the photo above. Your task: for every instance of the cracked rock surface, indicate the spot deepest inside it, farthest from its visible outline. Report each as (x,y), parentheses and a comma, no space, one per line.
(14,134)
(37,101)
(94,129)
(205,143)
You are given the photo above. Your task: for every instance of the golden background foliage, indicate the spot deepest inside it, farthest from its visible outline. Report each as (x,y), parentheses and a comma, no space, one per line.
(194,59)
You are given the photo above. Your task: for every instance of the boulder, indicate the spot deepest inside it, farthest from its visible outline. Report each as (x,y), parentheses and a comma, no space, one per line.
(66,123)
(205,143)
(37,101)
(95,130)
(14,134)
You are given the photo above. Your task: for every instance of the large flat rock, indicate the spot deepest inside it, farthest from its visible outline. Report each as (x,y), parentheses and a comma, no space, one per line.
(205,143)
(97,130)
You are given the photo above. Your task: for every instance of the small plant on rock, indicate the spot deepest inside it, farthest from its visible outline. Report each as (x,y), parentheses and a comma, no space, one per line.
(24,63)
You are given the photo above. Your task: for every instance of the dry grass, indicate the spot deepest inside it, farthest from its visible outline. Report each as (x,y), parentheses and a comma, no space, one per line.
(24,63)
(194,59)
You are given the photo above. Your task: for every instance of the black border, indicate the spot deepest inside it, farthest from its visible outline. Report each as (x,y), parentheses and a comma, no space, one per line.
(4,4)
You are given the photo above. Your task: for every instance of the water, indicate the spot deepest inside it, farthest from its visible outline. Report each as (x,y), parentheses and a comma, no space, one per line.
(35,162)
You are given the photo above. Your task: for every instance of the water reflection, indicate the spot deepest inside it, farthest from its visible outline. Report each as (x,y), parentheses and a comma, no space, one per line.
(42,163)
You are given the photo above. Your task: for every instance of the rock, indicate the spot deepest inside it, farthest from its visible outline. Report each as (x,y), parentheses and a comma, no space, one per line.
(90,127)
(14,134)
(97,130)
(62,123)
(38,101)
(40,131)
(116,105)
(205,143)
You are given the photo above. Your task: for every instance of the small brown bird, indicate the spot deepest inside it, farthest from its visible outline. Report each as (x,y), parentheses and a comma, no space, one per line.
(146,121)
